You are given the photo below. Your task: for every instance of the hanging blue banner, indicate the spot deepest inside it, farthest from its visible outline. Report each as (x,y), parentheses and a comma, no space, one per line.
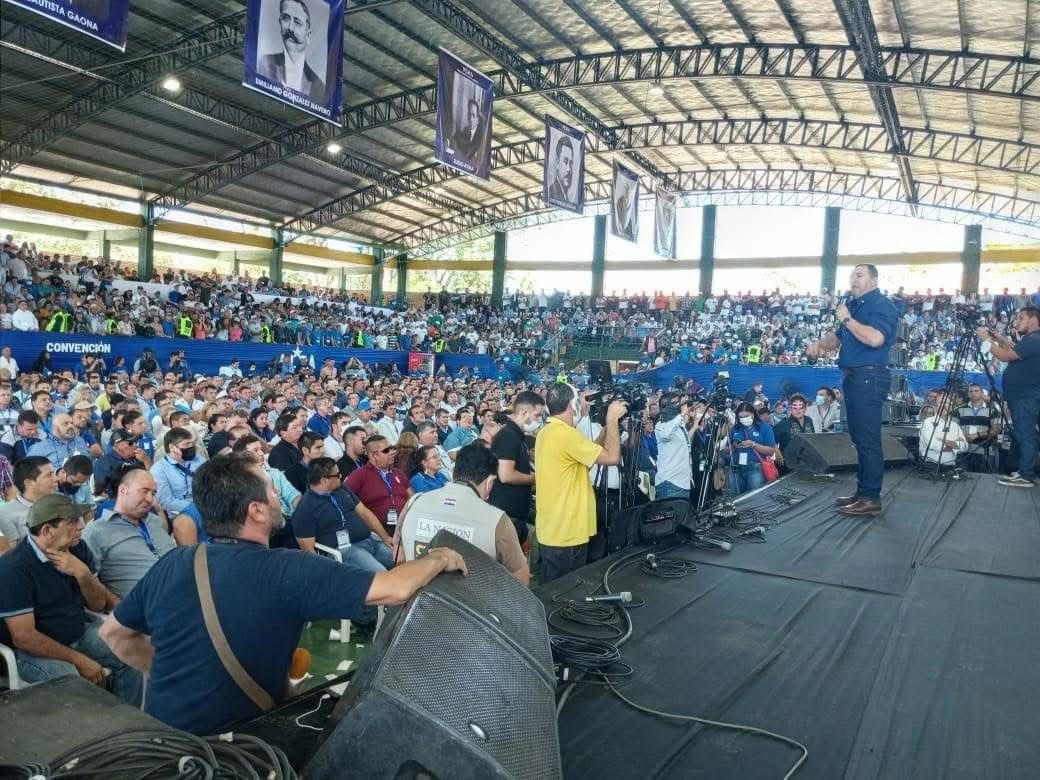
(294,53)
(101,19)
(463,137)
(563,174)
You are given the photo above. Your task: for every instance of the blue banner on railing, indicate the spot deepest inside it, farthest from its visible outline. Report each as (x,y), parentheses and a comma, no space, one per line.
(780,381)
(207,356)
(101,19)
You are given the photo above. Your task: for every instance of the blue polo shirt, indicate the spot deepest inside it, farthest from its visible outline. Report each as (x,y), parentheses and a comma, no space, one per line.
(760,433)
(263,599)
(877,311)
(1022,376)
(30,583)
(320,515)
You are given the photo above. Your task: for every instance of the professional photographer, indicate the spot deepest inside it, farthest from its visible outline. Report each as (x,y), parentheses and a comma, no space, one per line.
(1021,389)
(565,502)
(672,432)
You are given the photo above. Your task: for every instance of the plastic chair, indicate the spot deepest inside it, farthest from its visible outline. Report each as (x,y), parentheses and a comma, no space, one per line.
(345,625)
(336,555)
(12,680)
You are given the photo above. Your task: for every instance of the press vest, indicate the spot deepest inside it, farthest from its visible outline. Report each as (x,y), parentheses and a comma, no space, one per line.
(59,322)
(265,334)
(184,326)
(454,507)
(438,345)
(754,353)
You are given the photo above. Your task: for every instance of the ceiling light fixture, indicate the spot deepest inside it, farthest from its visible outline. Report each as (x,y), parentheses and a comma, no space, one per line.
(334,148)
(656,88)
(171,84)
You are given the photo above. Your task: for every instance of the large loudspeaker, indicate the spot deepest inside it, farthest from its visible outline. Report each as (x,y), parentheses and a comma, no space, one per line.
(459,684)
(820,452)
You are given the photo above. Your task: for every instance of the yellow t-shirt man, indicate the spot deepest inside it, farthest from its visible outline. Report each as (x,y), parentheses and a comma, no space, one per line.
(565,501)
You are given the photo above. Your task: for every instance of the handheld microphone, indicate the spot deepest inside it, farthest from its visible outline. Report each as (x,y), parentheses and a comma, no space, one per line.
(752,531)
(624,597)
(722,545)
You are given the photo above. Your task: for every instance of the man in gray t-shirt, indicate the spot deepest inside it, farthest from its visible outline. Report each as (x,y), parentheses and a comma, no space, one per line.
(128,542)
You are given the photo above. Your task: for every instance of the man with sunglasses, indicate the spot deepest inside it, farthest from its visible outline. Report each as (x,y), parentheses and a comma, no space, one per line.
(796,422)
(379,485)
(330,515)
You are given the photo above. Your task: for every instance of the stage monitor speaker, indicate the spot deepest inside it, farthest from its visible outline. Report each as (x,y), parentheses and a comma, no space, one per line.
(42,722)
(459,684)
(821,452)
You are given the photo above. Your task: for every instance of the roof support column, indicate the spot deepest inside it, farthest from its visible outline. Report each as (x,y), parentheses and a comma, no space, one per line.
(375,296)
(402,279)
(498,269)
(829,255)
(599,254)
(707,269)
(274,267)
(104,247)
(145,244)
(971,259)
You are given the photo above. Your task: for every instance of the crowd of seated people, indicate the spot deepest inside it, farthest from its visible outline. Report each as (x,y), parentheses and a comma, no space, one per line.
(112,474)
(45,291)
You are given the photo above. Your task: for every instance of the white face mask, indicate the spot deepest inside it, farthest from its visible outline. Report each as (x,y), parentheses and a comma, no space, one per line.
(532,425)
(746,421)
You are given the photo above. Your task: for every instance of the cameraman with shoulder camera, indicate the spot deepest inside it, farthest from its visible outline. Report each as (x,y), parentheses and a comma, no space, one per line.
(565,502)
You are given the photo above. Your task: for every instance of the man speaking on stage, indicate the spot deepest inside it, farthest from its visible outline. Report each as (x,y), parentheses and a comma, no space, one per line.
(866,330)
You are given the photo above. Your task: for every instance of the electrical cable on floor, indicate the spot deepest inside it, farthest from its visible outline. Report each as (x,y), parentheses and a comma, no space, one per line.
(152,753)
(604,653)
(722,725)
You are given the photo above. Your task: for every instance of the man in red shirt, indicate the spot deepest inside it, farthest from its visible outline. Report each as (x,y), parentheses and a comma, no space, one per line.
(378,485)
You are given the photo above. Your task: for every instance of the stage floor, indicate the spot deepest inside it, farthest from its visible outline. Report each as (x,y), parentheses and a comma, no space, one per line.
(903,646)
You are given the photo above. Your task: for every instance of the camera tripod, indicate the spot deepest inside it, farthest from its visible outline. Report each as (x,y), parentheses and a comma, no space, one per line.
(968,346)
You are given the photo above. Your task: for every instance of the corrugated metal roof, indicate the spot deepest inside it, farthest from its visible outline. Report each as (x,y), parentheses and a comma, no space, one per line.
(960,74)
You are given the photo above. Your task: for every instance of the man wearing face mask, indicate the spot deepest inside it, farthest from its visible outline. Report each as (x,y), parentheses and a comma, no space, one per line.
(462,507)
(866,330)
(512,491)
(175,474)
(825,413)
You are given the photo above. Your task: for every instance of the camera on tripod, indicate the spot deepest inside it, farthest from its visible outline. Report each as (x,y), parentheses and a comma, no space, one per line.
(632,393)
(720,394)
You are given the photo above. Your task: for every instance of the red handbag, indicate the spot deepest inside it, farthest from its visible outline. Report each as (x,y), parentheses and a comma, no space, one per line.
(769,469)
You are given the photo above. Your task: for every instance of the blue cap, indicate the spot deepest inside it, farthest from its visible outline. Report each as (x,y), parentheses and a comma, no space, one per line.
(364,404)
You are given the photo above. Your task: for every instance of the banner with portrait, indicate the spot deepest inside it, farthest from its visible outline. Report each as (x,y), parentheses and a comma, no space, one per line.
(464,103)
(664,224)
(624,203)
(294,53)
(563,172)
(102,19)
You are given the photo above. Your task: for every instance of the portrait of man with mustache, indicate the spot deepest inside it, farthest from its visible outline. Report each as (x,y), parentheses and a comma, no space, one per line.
(289,67)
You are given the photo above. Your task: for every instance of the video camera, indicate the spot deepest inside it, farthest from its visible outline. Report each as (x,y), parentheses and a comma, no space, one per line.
(632,393)
(720,394)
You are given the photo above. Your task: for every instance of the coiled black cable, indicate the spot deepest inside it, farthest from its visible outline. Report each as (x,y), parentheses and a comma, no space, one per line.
(153,753)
